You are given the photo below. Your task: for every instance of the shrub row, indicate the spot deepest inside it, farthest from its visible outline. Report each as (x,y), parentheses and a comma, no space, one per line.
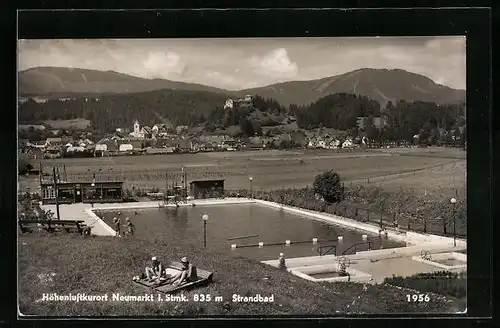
(442,282)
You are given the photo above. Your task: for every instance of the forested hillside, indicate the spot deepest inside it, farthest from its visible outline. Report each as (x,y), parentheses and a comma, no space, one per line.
(109,112)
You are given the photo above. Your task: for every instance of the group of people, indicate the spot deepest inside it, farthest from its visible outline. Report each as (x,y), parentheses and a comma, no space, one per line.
(158,273)
(129,227)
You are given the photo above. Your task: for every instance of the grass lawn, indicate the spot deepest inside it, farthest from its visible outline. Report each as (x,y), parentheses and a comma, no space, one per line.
(99,265)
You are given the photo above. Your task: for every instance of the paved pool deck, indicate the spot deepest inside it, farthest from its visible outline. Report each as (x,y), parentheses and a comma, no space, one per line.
(402,266)
(81,211)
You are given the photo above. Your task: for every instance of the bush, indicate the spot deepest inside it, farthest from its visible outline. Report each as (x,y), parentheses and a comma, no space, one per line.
(23,166)
(328,185)
(441,282)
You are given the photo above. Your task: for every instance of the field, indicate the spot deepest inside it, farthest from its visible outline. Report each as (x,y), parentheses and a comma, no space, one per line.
(441,171)
(78,123)
(105,265)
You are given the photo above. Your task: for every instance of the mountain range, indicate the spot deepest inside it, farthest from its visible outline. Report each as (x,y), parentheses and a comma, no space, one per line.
(382,85)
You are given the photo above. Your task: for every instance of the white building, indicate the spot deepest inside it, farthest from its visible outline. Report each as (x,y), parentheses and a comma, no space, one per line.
(347,143)
(75,149)
(126,147)
(101,147)
(229,104)
(137,133)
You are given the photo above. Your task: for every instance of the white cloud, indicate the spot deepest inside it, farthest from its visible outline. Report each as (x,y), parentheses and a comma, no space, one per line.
(275,64)
(230,64)
(161,64)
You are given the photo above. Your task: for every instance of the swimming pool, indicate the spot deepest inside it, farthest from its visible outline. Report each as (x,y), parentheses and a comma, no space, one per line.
(184,226)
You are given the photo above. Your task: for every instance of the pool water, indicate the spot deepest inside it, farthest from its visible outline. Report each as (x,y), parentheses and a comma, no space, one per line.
(450,262)
(324,275)
(184,225)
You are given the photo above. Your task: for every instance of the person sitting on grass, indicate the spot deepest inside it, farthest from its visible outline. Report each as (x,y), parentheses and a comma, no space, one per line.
(156,271)
(187,273)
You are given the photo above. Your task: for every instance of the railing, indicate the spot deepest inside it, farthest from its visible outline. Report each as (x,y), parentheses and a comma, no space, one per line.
(283,243)
(328,250)
(355,246)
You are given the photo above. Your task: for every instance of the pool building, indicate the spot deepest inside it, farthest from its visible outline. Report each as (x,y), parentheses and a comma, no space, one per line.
(82,192)
(201,189)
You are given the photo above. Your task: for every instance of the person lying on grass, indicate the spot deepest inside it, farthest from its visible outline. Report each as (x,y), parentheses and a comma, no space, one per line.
(187,273)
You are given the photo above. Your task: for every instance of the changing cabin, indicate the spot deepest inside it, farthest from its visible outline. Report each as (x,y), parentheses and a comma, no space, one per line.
(83,192)
(201,189)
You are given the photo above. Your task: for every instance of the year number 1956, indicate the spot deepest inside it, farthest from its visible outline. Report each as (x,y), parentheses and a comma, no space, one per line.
(418,298)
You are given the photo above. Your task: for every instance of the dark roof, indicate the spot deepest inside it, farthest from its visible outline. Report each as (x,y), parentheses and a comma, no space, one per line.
(198,181)
(50,183)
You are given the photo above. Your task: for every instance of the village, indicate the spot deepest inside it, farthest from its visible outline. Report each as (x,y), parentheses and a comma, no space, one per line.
(162,139)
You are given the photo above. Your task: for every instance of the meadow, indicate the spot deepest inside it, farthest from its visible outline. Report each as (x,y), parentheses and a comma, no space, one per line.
(418,171)
(106,265)
(77,123)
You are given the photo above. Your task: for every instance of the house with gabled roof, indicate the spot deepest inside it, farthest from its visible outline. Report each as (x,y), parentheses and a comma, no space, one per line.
(53,141)
(106,144)
(347,143)
(184,145)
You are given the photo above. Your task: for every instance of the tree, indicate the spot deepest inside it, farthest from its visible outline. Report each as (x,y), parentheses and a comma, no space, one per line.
(329,186)
(209,127)
(371,132)
(24,166)
(425,134)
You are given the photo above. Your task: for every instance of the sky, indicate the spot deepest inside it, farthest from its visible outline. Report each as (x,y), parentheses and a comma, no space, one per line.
(235,64)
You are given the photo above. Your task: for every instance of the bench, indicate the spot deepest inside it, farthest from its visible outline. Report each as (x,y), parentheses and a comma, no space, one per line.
(55,225)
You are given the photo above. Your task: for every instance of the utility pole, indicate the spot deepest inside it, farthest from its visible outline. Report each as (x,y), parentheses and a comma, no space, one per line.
(65,175)
(184,177)
(55,192)
(165,197)
(40,175)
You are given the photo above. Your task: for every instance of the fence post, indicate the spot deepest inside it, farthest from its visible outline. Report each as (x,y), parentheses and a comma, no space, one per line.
(380,220)
(367,215)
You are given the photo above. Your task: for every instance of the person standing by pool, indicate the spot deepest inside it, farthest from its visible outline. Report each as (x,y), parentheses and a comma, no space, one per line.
(130,227)
(396,226)
(116,222)
(281,262)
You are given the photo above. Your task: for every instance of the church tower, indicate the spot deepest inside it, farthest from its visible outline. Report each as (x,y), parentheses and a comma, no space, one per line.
(136,128)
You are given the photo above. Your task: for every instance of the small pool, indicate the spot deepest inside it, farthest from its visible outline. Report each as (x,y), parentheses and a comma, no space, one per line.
(323,275)
(450,262)
(259,223)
